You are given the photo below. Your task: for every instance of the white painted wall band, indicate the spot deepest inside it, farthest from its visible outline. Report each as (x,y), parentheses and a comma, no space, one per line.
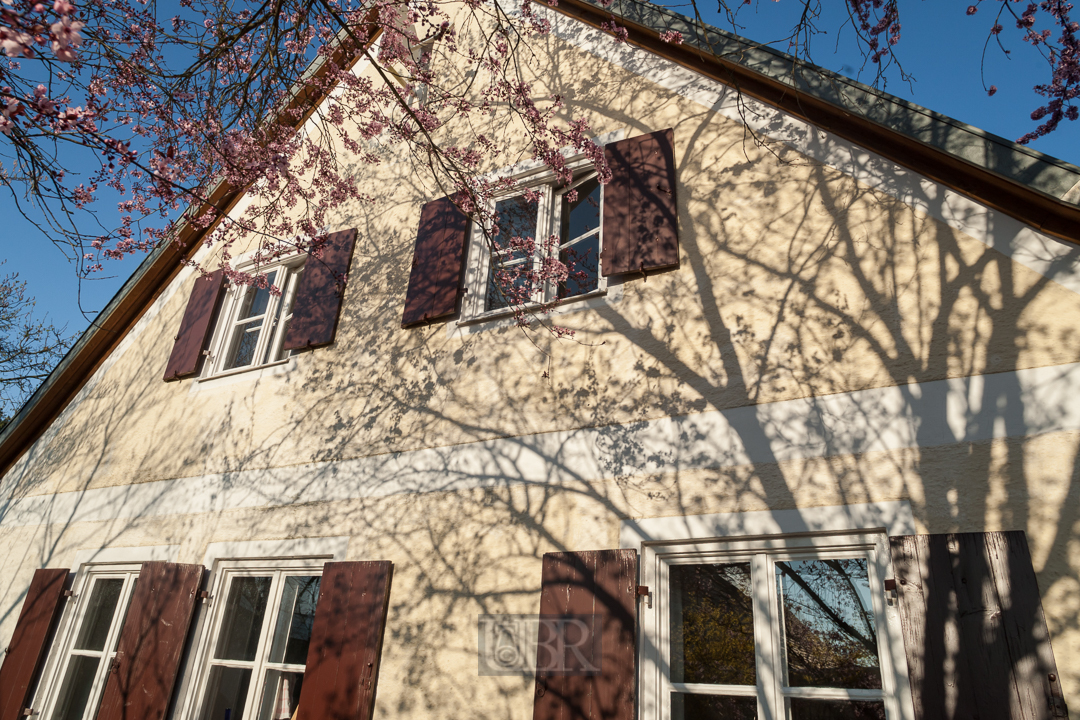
(1013,404)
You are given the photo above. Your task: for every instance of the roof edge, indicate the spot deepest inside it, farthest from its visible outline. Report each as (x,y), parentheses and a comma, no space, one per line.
(1032,206)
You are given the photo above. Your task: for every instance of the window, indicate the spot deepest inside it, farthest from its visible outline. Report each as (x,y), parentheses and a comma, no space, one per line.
(87,644)
(252,660)
(532,229)
(254,321)
(793,628)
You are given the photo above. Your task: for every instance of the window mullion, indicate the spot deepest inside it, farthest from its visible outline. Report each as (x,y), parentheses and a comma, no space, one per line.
(766,640)
(548,220)
(543,216)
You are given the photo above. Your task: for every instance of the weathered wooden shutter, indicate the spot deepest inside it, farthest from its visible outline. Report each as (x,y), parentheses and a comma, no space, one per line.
(29,642)
(141,679)
(641,219)
(186,354)
(318,297)
(437,263)
(346,641)
(974,632)
(603,584)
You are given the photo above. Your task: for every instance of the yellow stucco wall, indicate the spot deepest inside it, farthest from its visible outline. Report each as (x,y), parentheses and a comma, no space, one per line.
(796,282)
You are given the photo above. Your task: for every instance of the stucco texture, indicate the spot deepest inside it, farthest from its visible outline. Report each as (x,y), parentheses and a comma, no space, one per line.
(795,282)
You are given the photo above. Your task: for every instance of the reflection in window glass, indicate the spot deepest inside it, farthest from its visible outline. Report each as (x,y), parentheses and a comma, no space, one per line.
(76,688)
(582,216)
(292,632)
(712,707)
(244,611)
(226,693)
(280,695)
(807,709)
(579,235)
(828,624)
(712,624)
(99,614)
(511,262)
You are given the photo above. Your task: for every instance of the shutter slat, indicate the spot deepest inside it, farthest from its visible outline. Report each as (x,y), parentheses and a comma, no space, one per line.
(600,583)
(974,633)
(29,642)
(1024,626)
(438,260)
(151,642)
(346,642)
(320,292)
(641,217)
(186,357)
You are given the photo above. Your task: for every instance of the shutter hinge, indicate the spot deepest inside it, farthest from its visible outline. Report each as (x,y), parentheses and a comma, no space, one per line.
(27,712)
(69,593)
(643,591)
(891,596)
(114,664)
(206,596)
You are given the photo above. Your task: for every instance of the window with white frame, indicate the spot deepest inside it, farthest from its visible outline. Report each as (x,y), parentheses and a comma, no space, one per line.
(544,222)
(75,675)
(788,627)
(253,650)
(254,320)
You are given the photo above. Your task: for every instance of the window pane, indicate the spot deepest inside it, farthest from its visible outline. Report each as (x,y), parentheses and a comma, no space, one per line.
(712,625)
(280,695)
(292,633)
(226,693)
(247,336)
(828,624)
(805,709)
(244,612)
(99,614)
(508,285)
(582,259)
(77,686)
(257,298)
(712,707)
(515,218)
(582,215)
(508,281)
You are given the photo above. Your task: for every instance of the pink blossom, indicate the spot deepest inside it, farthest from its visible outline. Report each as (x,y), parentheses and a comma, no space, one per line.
(672,36)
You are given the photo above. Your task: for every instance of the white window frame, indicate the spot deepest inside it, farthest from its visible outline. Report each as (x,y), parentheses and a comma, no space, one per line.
(549,209)
(193,696)
(763,552)
(228,319)
(62,648)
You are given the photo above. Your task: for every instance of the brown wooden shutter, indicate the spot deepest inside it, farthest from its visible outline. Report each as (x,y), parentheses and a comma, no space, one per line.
(437,263)
(140,682)
(318,297)
(600,583)
(187,354)
(346,641)
(29,642)
(974,632)
(641,219)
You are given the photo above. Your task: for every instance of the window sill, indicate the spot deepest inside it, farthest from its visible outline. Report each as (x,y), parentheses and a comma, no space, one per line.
(505,317)
(244,374)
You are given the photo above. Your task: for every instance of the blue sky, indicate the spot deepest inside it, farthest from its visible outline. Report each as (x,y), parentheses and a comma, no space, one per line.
(941,48)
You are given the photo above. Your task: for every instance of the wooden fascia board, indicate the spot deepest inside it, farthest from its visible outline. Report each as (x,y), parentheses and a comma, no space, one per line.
(1031,207)
(135,298)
